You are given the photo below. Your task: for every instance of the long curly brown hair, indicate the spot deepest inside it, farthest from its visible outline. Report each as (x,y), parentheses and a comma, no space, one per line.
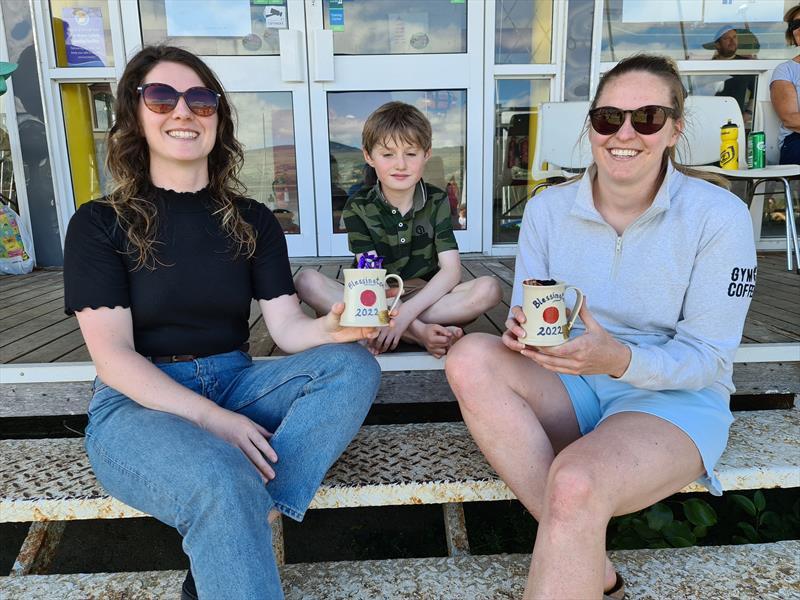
(128,161)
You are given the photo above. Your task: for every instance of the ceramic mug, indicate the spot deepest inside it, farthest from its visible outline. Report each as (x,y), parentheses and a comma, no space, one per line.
(546,322)
(365,297)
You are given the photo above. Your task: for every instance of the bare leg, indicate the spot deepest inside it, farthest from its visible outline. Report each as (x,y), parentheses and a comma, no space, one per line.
(629,462)
(317,290)
(519,414)
(465,303)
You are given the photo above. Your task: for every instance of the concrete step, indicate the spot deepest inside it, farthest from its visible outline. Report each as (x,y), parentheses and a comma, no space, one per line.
(425,463)
(760,571)
(56,398)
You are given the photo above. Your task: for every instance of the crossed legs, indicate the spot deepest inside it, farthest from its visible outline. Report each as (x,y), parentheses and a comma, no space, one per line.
(523,420)
(436,328)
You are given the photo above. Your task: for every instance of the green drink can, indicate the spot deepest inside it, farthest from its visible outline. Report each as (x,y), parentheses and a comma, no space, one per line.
(756,150)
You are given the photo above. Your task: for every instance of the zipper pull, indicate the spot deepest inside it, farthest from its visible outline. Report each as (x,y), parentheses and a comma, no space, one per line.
(619,244)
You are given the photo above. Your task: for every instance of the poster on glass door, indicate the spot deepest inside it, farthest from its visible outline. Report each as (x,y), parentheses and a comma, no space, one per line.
(636,11)
(408,33)
(751,11)
(708,11)
(84,36)
(208,18)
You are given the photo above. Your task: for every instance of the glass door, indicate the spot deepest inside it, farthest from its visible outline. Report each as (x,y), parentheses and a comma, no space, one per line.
(337,61)
(364,53)
(257,48)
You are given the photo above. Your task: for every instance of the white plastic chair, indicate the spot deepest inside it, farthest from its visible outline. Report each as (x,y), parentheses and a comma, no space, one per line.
(699,147)
(560,141)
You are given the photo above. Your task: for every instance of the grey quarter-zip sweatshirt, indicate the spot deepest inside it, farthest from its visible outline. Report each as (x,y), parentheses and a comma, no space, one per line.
(675,286)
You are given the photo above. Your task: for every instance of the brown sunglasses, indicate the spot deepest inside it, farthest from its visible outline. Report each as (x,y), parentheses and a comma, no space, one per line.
(646,120)
(162,98)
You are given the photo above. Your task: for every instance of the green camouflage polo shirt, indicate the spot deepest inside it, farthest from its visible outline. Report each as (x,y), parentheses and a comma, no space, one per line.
(410,243)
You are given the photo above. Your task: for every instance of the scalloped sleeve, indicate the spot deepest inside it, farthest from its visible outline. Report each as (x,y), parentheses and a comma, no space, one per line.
(95,270)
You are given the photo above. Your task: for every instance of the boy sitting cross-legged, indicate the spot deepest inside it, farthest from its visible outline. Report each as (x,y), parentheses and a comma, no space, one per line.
(408,222)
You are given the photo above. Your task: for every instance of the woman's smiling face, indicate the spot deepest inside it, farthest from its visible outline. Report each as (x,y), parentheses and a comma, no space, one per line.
(178,137)
(628,156)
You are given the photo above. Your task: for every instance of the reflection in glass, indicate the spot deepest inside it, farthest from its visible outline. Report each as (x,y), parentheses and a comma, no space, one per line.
(773,219)
(17,19)
(214,27)
(523,32)
(82,33)
(578,55)
(740,87)
(265,127)
(516,107)
(447,112)
(408,27)
(8,187)
(689,30)
(88,115)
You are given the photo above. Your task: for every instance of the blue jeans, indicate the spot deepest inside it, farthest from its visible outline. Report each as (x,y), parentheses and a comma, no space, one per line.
(207,489)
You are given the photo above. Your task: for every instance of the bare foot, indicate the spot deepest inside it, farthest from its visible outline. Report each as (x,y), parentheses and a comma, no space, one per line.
(437,339)
(457,332)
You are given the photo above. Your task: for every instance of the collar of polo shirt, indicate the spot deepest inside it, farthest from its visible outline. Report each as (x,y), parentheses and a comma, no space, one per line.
(420,196)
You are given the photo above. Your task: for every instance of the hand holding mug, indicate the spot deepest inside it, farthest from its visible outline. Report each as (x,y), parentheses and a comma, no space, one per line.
(339,333)
(365,297)
(514,329)
(546,321)
(595,352)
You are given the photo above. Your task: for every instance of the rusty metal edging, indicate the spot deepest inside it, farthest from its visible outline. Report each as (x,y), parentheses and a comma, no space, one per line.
(44,509)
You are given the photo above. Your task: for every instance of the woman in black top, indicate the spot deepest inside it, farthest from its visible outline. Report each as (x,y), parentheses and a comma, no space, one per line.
(161,274)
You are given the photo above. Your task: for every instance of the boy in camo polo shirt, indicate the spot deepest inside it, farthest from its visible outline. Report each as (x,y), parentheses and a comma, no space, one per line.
(408,222)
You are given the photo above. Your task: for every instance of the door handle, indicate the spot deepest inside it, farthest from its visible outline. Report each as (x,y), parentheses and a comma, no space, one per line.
(322,40)
(291,45)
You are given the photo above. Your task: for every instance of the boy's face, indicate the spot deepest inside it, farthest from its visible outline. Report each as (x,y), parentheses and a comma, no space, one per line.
(399,165)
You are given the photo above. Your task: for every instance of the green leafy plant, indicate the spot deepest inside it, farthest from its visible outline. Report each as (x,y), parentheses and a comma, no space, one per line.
(657,526)
(758,524)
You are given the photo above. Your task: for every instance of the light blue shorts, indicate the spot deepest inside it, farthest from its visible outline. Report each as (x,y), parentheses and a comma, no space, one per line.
(703,415)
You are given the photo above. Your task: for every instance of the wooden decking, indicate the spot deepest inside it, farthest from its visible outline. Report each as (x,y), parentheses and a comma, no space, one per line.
(34,328)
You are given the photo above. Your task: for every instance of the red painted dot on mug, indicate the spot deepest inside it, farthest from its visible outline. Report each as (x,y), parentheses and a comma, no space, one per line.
(550,315)
(368,298)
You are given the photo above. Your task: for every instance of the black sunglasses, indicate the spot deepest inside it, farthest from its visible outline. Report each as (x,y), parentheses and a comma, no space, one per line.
(794,24)
(162,98)
(645,119)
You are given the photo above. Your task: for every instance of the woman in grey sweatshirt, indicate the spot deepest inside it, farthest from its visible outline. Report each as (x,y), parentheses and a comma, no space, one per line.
(635,405)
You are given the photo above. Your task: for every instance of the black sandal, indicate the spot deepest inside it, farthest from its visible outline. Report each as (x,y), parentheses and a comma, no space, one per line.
(189,590)
(617,591)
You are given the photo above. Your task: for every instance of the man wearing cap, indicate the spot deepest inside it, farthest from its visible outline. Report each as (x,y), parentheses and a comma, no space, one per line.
(725,44)
(739,87)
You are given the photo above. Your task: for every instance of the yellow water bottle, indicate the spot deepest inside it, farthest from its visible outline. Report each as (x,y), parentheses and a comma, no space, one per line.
(729,146)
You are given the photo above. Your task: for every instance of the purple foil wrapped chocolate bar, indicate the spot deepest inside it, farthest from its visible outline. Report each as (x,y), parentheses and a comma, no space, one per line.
(370,260)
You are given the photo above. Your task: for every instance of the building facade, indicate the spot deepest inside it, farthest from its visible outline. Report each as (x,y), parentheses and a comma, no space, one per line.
(304,75)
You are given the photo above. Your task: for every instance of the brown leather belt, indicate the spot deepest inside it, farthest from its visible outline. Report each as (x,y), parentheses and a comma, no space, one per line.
(176,358)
